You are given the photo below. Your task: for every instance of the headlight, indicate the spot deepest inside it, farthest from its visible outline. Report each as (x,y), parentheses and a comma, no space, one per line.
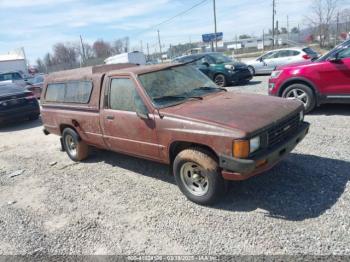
(242,148)
(276,74)
(230,67)
(254,144)
(301,116)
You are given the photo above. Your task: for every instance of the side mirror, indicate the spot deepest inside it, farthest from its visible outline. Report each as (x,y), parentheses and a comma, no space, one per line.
(205,64)
(335,58)
(141,109)
(260,59)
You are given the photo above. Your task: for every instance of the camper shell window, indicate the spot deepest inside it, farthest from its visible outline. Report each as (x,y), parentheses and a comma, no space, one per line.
(69,92)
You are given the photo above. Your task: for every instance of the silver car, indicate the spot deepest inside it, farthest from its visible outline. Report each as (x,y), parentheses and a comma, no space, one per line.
(266,63)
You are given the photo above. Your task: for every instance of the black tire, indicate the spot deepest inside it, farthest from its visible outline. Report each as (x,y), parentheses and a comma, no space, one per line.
(220,80)
(310,101)
(208,166)
(251,70)
(81,149)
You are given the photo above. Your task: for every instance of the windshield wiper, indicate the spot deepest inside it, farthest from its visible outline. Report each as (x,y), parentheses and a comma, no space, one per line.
(210,88)
(169,97)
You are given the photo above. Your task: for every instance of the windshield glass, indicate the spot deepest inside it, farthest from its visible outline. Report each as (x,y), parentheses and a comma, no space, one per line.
(220,58)
(332,52)
(175,85)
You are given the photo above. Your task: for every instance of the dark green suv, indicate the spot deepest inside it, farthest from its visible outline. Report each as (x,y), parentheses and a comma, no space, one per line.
(220,68)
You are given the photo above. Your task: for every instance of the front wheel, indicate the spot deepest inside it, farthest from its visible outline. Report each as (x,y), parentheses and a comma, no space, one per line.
(302,93)
(220,80)
(197,175)
(251,70)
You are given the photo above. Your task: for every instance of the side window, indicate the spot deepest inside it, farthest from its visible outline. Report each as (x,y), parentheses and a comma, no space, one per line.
(284,53)
(295,53)
(55,92)
(345,53)
(123,95)
(70,92)
(78,92)
(16,76)
(268,55)
(7,76)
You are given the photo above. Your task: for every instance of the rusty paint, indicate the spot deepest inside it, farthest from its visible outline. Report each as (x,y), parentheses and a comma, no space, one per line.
(214,122)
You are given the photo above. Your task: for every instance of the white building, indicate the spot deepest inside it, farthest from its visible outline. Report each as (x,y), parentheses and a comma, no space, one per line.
(14,61)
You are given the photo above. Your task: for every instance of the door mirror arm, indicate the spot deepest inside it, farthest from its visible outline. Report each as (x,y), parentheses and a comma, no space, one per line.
(143,115)
(141,109)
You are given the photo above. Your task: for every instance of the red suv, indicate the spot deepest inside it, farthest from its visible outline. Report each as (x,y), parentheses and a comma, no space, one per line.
(325,80)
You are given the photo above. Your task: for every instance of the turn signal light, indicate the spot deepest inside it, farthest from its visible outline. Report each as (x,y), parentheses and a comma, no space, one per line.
(241,148)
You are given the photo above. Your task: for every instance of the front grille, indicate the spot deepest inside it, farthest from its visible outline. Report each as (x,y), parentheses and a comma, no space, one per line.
(283,130)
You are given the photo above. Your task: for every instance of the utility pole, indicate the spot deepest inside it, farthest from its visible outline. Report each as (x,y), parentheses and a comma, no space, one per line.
(273,22)
(263,40)
(288,26)
(82,49)
(148,52)
(160,47)
(277,31)
(216,40)
(337,32)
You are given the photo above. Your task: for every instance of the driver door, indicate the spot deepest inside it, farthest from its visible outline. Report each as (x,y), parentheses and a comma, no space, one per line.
(335,74)
(266,63)
(124,131)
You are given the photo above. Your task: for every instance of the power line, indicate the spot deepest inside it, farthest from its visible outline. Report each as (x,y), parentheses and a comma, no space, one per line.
(175,16)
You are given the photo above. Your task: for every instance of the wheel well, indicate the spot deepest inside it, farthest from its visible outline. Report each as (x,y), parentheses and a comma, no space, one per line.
(178,146)
(64,126)
(297,81)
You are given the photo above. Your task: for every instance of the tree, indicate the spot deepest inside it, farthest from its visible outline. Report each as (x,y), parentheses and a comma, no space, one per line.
(102,49)
(48,60)
(295,30)
(40,65)
(323,14)
(244,36)
(284,30)
(65,55)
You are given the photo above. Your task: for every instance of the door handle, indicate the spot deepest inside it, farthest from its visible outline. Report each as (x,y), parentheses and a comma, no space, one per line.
(110,117)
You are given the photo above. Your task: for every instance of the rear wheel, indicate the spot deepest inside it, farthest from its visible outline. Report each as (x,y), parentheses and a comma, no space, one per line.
(76,149)
(302,93)
(220,80)
(198,177)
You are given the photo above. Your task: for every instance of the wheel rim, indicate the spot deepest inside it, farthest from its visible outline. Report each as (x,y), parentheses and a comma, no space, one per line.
(194,179)
(71,145)
(219,80)
(251,70)
(298,94)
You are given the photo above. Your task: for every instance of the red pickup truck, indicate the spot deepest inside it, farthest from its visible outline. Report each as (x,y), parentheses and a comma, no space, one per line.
(172,114)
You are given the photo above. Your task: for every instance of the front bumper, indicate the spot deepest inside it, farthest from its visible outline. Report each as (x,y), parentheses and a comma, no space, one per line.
(241,169)
(240,75)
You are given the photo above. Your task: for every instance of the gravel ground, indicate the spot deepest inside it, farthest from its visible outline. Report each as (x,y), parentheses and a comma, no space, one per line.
(115,204)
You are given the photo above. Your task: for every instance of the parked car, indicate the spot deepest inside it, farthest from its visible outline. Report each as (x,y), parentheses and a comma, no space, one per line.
(16,102)
(326,80)
(222,69)
(266,63)
(35,85)
(13,77)
(173,114)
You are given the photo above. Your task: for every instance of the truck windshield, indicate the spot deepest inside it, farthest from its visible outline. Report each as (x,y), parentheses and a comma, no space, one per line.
(176,85)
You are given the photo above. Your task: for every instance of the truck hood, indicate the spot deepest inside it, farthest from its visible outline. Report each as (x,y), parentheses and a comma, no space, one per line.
(244,112)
